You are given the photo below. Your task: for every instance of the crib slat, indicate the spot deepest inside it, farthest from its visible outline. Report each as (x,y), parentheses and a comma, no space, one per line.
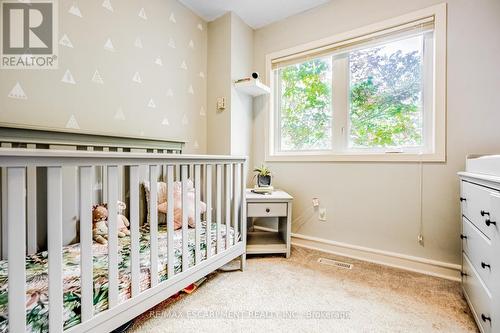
(112,190)
(243,216)
(134,230)
(185,240)
(227,196)
(170,221)
(243,203)
(16,231)
(208,198)
(54,244)
(197,198)
(86,266)
(219,206)
(5,241)
(153,227)
(236,196)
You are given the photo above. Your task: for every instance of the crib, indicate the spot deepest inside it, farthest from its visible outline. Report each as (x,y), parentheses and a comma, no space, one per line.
(129,275)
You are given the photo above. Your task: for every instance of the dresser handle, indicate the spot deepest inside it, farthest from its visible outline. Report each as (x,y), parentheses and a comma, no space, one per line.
(488,222)
(463,237)
(267,210)
(463,274)
(484,213)
(462,199)
(484,265)
(484,318)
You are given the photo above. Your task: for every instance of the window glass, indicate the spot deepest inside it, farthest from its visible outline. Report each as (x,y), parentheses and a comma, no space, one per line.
(305,106)
(386,95)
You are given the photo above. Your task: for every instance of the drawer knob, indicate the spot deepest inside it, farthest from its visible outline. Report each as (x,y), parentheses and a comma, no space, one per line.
(485,318)
(488,222)
(484,265)
(462,199)
(463,237)
(484,213)
(268,210)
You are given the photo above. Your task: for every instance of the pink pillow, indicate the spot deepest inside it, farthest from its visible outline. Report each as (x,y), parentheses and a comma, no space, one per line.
(162,207)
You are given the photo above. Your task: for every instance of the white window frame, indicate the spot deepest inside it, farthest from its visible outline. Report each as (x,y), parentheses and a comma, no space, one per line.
(434,120)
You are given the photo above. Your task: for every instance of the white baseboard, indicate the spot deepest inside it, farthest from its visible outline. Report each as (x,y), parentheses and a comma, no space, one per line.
(415,264)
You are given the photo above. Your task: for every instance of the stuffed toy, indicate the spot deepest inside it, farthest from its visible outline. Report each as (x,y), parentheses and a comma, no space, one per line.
(162,203)
(99,225)
(100,222)
(122,222)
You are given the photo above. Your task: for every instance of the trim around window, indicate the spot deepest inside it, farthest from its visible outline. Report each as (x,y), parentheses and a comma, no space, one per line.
(438,130)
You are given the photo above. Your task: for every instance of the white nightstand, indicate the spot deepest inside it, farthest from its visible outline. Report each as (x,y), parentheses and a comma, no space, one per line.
(276,205)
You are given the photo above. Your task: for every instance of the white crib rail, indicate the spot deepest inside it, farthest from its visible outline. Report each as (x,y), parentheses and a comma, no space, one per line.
(16,215)
(170,222)
(134,230)
(87,280)
(229,186)
(208,189)
(197,215)
(54,219)
(153,225)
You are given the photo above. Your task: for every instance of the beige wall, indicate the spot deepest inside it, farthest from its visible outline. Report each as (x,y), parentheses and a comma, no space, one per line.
(241,104)
(376,205)
(230,57)
(94,106)
(219,77)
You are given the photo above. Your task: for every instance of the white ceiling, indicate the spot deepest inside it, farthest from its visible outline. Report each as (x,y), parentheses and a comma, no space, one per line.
(256,13)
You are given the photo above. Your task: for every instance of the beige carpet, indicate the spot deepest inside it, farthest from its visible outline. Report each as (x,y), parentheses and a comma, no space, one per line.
(299,295)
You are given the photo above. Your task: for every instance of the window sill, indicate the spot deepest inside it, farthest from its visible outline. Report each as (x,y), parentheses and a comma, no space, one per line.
(356,157)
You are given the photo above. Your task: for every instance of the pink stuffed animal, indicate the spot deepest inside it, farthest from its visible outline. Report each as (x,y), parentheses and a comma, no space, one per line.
(162,206)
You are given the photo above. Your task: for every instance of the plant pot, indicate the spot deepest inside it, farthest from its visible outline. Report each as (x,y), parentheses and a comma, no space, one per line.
(263,181)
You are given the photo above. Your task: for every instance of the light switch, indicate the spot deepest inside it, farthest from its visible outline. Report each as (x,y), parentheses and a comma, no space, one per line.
(221,103)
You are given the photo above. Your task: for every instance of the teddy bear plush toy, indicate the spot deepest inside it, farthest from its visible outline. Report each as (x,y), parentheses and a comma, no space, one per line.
(100,222)
(99,225)
(122,222)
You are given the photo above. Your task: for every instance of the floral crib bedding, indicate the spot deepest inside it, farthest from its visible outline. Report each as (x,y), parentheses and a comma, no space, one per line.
(37,274)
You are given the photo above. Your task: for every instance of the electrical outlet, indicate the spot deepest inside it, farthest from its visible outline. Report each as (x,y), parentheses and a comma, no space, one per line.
(420,240)
(322,214)
(315,202)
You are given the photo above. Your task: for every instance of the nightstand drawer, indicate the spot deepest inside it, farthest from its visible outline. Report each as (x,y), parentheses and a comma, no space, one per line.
(267,209)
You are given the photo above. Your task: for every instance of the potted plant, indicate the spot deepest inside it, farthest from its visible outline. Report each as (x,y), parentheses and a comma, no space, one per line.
(263,176)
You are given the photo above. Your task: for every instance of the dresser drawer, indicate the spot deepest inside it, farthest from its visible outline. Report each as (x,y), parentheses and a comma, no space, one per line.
(477,207)
(480,252)
(478,296)
(267,209)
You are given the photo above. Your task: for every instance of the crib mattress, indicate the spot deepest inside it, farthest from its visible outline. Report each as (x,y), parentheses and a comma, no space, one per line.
(37,275)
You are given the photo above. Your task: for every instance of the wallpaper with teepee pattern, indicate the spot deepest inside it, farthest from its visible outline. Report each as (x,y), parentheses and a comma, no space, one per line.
(125,67)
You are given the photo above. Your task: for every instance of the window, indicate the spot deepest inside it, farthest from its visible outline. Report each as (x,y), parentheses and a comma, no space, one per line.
(305,106)
(370,97)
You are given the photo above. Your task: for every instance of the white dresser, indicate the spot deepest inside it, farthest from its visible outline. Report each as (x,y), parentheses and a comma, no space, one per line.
(480,201)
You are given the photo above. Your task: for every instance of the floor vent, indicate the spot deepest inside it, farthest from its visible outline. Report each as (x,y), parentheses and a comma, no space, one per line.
(335,263)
